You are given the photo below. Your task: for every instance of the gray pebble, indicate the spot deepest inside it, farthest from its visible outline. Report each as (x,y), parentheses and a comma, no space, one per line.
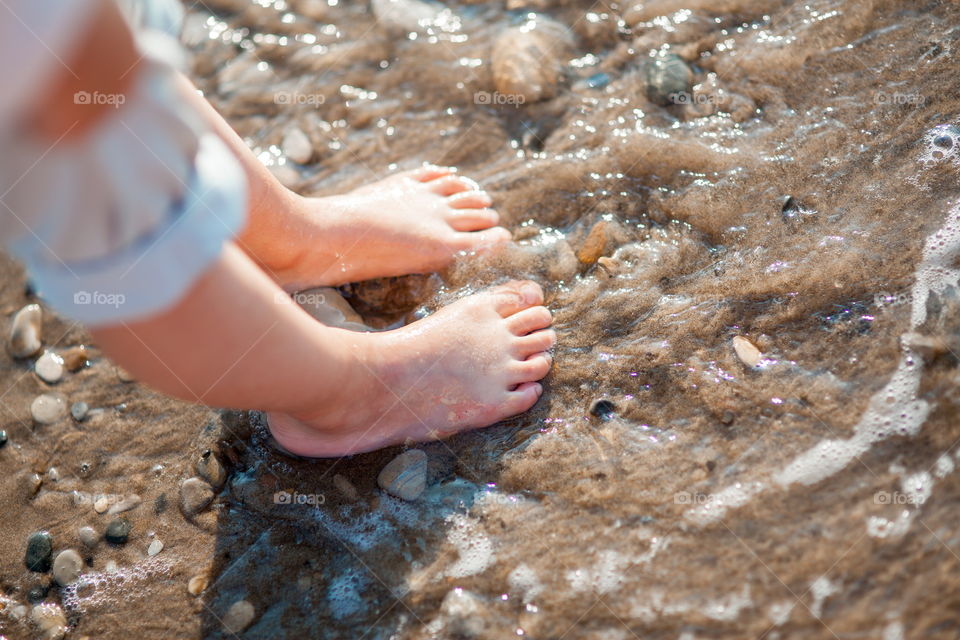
(67,567)
(406,475)
(79,411)
(88,536)
(195,495)
(118,531)
(239,616)
(669,79)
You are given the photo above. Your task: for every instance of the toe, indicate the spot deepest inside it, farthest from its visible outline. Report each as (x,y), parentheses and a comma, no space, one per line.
(481,240)
(532,369)
(528,320)
(449,185)
(536,342)
(429,172)
(473,219)
(515,296)
(521,398)
(470,200)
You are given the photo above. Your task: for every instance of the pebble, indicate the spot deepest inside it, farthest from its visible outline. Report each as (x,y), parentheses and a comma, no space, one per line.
(25,332)
(47,408)
(346,488)
(155,547)
(88,536)
(67,567)
(209,468)
(50,621)
(129,502)
(3,438)
(609,265)
(748,352)
(526,61)
(39,550)
(49,367)
(38,593)
(76,358)
(596,243)
(53,474)
(79,411)
(197,584)
(239,616)
(118,531)
(403,16)
(668,76)
(405,476)
(195,495)
(603,409)
(101,504)
(296,146)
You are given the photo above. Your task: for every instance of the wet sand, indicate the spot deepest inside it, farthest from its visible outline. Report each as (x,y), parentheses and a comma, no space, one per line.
(790,201)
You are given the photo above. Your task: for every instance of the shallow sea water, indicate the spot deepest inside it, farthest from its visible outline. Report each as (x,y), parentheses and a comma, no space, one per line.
(804,197)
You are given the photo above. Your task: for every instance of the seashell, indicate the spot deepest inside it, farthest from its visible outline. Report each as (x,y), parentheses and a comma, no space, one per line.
(405,476)
(195,495)
(25,332)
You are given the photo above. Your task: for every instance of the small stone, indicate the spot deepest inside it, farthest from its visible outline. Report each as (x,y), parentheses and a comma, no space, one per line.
(79,411)
(669,80)
(25,332)
(346,488)
(124,375)
(49,367)
(49,620)
(405,476)
(197,584)
(3,438)
(67,567)
(38,593)
(33,484)
(603,409)
(526,62)
(239,616)
(48,408)
(110,566)
(598,80)
(129,502)
(596,243)
(209,468)
(39,551)
(609,265)
(88,536)
(748,352)
(118,531)
(155,547)
(727,417)
(195,495)
(101,504)
(53,475)
(296,146)
(76,358)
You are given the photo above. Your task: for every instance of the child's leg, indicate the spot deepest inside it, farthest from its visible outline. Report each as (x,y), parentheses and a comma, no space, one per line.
(413,222)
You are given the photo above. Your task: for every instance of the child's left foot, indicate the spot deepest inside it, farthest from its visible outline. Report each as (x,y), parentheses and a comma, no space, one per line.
(411,222)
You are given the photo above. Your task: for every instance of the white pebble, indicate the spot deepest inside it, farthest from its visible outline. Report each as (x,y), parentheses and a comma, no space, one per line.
(101,504)
(406,475)
(49,367)
(48,408)
(748,352)
(67,567)
(129,502)
(155,547)
(50,621)
(239,616)
(25,332)
(296,146)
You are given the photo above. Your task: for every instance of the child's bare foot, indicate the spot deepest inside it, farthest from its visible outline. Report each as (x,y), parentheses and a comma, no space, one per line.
(411,222)
(469,365)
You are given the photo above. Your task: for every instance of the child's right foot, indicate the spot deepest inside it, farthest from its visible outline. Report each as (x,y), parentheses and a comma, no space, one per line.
(471,364)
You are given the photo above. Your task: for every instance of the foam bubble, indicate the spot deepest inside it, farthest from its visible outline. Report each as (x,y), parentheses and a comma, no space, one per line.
(474,547)
(96,590)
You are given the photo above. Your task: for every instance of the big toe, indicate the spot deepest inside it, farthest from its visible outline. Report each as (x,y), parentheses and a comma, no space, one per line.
(515,296)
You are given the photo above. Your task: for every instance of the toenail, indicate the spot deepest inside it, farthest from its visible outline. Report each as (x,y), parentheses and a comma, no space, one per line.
(539,390)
